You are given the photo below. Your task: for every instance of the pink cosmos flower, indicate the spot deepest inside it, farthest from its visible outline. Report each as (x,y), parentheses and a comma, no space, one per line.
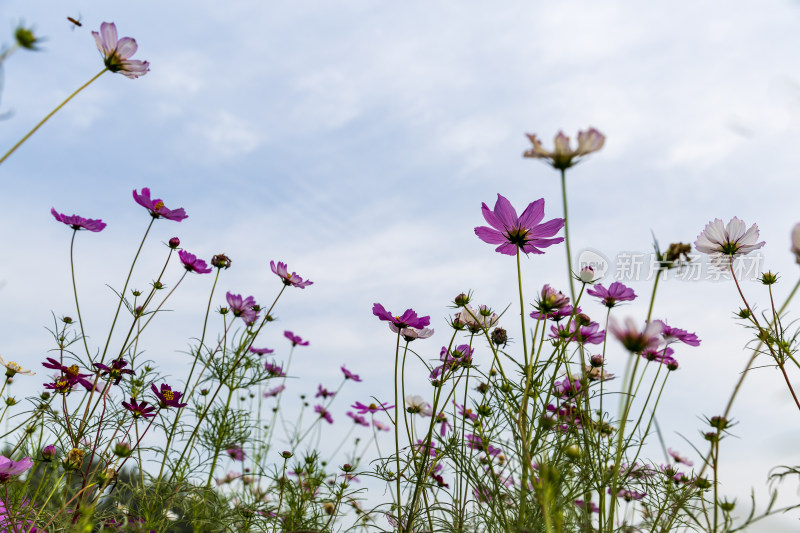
(296,340)
(323,413)
(322,392)
(350,375)
(293,280)
(236,453)
(274,370)
(524,233)
(636,340)
(412,334)
(563,156)
(243,307)
(676,334)
(589,334)
(731,240)
(371,408)
(679,458)
(358,419)
(192,264)
(117,51)
(380,426)
(157,208)
(261,351)
(10,468)
(408,319)
(274,391)
(616,292)
(796,242)
(78,223)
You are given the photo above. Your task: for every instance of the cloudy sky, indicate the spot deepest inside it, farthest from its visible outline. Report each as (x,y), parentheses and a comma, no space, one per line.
(356,141)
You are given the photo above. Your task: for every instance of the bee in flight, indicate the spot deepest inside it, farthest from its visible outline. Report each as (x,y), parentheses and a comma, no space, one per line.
(76,22)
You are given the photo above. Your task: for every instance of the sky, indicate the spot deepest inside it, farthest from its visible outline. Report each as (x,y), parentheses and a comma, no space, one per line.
(357,140)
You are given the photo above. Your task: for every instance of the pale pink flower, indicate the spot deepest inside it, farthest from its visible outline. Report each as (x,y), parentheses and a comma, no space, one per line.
(563,156)
(116,52)
(732,239)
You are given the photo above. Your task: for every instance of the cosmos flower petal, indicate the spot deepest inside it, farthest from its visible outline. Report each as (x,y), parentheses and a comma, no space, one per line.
(489,235)
(126,47)
(533,214)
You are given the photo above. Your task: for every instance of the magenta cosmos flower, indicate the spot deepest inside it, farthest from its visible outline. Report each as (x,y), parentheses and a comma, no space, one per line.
(10,468)
(167,397)
(676,334)
(616,292)
(116,52)
(243,307)
(236,453)
(293,280)
(323,413)
(350,375)
(371,408)
(78,223)
(139,409)
(563,156)
(296,339)
(408,319)
(192,264)
(157,208)
(514,233)
(732,239)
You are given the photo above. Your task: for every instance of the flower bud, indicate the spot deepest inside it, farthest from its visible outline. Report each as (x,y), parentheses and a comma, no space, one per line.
(347,467)
(174,243)
(499,336)
(25,38)
(461,300)
(587,274)
(122,449)
(286,454)
(596,361)
(582,319)
(10,401)
(48,453)
(573,451)
(768,278)
(67,320)
(719,422)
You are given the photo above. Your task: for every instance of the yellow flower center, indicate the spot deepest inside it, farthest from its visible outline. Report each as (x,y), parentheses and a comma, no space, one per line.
(158,206)
(167,394)
(14,366)
(73,370)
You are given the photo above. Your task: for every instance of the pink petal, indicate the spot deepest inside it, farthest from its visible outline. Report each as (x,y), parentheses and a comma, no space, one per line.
(109,32)
(533,214)
(505,212)
(490,235)
(126,47)
(491,218)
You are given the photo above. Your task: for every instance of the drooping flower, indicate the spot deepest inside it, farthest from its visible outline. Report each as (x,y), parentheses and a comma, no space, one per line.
(116,370)
(243,307)
(157,208)
(290,280)
(12,368)
(350,375)
(323,413)
(524,233)
(616,292)
(563,156)
(408,319)
(10,468)
(79,223)
(139,409)
(730,240)
(116,52)
(549,303)
(167,397)
(634,339)
(235,452)
(671,335)
(192,264)
(371,408)
(296,339)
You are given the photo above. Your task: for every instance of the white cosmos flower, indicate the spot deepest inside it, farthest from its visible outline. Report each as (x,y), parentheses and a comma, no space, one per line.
(731,240)
(417,404)
(13,368)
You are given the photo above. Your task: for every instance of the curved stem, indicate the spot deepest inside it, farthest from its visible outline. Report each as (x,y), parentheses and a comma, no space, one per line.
(50,114)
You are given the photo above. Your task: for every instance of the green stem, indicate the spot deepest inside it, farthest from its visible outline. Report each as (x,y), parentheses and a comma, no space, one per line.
(53,112)
(566,232)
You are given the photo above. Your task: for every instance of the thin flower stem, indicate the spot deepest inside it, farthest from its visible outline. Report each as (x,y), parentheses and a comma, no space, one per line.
(75,292)
(53,112)
(397,432)
(566,232)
